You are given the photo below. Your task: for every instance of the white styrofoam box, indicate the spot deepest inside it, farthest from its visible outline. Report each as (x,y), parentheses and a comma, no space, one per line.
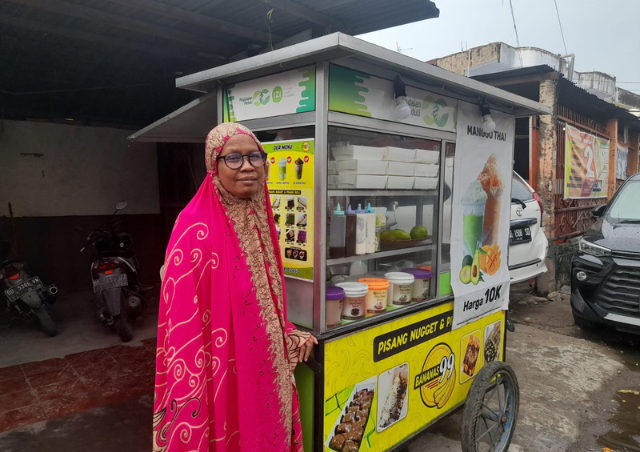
(332,180)
(426,183)
(423,156)
(376,167)
(353,152)
(425,170)
(400,169)
(399,154)
(361,181)
(400,183)
(332,168)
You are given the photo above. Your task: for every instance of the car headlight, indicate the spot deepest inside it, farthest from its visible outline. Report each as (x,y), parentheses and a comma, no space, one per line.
(593,249)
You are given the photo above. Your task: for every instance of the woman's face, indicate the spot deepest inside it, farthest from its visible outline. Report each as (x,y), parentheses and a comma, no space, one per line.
(245,181)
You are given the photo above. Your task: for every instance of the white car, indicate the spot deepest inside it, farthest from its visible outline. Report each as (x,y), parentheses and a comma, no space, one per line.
(527,242)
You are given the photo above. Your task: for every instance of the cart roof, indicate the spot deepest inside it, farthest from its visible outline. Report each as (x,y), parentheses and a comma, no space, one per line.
(194,120)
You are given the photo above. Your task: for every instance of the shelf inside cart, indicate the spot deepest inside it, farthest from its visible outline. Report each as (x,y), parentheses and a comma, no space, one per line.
(414,249)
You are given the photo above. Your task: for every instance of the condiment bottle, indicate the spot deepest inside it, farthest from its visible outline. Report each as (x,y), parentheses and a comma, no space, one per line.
(361,231)
(350,240)
(337,233)
(371,229)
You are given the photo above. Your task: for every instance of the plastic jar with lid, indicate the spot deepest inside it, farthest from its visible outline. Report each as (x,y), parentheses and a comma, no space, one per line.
(354,304)
(420,291)
(377,295)
(400,287)
(333,306)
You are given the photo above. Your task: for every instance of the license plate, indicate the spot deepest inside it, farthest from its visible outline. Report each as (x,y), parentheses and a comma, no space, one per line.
(520,235)
(110,282)
(16,292)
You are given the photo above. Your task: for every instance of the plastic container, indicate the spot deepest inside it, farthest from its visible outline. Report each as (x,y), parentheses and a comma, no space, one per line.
(381,223)
(354,304)
(337,233)
(333,306)
(371,229)
(377,295)
(420,291)
(350,234)
(361,231)
(358,268)
(400,287)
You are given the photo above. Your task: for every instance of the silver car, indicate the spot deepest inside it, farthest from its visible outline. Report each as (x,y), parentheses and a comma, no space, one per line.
(527,242)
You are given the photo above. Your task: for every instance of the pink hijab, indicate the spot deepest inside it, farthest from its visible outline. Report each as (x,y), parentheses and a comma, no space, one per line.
(226,352)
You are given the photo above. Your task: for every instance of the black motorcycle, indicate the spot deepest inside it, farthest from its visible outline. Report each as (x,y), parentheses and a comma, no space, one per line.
(114,271)
(25,295)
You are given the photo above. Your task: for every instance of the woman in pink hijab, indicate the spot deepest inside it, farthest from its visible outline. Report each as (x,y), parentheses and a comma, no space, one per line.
(226,352)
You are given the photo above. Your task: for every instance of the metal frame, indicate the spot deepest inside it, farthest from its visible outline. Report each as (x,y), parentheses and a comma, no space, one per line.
(379,125)
(340,45)
(278,122)
(320,195)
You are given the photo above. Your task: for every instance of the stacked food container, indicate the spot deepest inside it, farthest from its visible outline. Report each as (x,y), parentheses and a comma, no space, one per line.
(388,167)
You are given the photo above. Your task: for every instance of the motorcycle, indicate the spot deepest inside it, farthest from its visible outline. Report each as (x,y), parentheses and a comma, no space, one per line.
(25,294)
(114,271)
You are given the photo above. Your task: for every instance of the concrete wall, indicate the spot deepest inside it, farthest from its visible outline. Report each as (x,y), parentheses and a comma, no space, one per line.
(62,177)
(65,170)
(458,62)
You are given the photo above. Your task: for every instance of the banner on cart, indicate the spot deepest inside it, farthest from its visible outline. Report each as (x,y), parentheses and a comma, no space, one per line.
(289,172)
(358,93)
(279,94)
(622,160)
(586,165)
(388,382)
(480,231)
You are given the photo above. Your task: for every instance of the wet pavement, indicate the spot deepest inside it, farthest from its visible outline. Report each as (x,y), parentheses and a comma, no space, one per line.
(101,400)
(614,420)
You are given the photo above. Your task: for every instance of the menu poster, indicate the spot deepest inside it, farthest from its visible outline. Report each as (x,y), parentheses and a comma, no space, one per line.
(480,231)
(289,171)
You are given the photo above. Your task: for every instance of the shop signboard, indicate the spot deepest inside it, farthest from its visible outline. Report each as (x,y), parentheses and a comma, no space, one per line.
(480,232)
(586,173)
(274,95)
(358,93)
(621,160)
(409,373)
(289,172)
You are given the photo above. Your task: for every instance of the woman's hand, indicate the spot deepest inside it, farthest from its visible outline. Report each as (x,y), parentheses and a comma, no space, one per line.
(305,351)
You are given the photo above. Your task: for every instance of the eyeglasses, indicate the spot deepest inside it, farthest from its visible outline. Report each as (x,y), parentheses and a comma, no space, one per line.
(235,160)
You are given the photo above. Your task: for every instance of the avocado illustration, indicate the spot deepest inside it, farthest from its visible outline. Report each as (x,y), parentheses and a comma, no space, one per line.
(393,235)
(475,269)
(468,260)
(465,274)
(419,232)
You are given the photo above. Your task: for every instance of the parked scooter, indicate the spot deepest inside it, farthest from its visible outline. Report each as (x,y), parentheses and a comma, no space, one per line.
(25,294)
(114,271)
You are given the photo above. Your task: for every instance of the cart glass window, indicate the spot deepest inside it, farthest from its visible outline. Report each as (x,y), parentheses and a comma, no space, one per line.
(382,219)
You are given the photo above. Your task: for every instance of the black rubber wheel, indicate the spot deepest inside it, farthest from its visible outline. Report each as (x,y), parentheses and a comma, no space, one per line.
(491,409)
(46,322)
(123,326)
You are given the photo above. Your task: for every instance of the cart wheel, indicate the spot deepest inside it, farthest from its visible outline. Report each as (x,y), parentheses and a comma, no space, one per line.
(491,409)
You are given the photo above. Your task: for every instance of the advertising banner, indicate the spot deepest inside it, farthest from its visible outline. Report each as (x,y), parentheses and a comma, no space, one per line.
(358,93)
(289,172)
(480,231)
(622,160)
(586,165)
(386,383)
(279,94)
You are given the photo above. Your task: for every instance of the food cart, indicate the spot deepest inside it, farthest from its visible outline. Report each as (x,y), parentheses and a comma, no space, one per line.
(390,187)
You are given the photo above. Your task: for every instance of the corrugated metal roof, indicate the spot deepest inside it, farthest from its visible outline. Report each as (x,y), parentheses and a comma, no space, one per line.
(571,95)
(67,48)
